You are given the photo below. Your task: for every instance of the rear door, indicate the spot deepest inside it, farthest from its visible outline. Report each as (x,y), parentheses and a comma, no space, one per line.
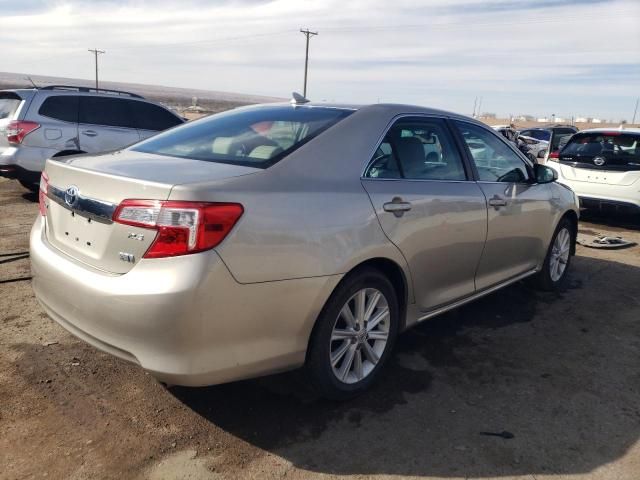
(150,119)
(519,210)
(105,124)
(428,207)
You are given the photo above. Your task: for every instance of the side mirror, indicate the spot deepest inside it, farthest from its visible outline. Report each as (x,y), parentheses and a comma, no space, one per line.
(544,174)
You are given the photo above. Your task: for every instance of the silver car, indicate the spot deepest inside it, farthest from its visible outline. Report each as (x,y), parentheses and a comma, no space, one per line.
(60,120)
(270,237)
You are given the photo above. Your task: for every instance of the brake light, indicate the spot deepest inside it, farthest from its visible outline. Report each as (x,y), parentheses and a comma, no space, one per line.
(42,193)
(183,227)
(17,130)
(554,155)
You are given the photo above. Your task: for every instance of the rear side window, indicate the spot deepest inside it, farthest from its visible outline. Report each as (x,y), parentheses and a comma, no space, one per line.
(62,107)
(417,149)
(9,103)
(256,137)
(113,112)
(147,116)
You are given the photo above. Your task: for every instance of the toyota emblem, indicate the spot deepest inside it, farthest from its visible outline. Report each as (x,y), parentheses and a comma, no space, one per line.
(599,161)
(71,196)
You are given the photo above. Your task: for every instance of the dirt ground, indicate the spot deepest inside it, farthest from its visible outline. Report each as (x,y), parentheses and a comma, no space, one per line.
(561,372)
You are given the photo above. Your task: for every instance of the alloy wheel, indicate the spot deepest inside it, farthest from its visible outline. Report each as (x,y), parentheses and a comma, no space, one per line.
(359,336)
(559,254)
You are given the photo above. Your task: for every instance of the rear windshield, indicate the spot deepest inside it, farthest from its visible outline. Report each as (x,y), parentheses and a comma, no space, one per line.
(8,107)
(255,137)
(612,144)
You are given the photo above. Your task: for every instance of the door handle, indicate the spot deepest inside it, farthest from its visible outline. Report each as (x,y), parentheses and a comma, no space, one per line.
(497,201)
(397,207)
(90,133)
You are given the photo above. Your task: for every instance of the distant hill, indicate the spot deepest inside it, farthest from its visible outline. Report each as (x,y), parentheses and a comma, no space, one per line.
(177,98)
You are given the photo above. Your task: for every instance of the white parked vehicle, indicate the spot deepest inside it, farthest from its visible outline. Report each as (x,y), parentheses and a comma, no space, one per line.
(603,167)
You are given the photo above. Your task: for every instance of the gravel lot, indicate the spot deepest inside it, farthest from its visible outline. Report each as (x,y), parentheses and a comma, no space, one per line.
(560,372)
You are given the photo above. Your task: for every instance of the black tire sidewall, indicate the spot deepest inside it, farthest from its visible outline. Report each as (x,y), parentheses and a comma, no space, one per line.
(318,364)
(546,281)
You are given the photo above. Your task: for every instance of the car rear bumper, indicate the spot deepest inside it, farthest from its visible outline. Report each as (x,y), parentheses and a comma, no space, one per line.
(607,204)
(184,319)
(589,193)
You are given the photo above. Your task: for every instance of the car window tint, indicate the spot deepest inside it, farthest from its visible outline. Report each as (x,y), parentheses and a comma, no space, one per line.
(112,112)
(417,149)
(611,145)
(495,161)
(60,107)
(147,116)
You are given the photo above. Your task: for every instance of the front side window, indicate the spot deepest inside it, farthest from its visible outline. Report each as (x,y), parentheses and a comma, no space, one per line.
(417,149)
(495,161)
(112,112)
(256,137)
(60,107)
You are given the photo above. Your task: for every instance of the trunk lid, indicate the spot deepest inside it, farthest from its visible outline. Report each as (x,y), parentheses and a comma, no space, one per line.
(85,190)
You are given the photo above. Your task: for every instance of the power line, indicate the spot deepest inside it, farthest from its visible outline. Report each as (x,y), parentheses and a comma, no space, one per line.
(307,34)
(96,52)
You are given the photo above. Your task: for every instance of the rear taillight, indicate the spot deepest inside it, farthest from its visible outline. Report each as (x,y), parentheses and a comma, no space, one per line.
(183,227)
(554,156)
(17,130)
(42,194)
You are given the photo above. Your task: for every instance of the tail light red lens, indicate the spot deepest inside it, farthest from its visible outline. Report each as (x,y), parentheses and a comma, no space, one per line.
(42,193)
(554,155)
(183,227)
(17,130)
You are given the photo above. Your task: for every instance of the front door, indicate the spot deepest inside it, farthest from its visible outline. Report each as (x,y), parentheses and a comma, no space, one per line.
(428,208)
(518,209)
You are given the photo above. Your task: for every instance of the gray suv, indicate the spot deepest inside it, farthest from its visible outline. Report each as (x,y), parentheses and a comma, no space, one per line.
(59,120)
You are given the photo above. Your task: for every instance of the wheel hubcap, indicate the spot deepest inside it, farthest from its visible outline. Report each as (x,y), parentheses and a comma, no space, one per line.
(560,254)
(359,335)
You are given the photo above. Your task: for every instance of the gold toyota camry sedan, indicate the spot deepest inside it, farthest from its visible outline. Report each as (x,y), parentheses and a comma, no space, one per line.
(279,236)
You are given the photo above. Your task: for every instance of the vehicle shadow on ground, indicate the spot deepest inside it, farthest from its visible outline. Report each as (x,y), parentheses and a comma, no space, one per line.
(561,372)
(616,220)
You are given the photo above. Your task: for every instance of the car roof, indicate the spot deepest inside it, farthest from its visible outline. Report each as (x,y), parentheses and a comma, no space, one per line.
(391,109)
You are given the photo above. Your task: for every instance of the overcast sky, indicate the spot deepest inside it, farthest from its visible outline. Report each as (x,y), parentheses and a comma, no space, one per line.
(568,57)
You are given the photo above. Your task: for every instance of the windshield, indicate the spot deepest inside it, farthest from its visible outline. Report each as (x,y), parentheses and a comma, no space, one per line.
(255,137)
(8,107)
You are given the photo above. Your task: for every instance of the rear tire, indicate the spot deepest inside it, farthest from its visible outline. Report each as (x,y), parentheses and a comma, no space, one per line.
(553,275)
(354,335)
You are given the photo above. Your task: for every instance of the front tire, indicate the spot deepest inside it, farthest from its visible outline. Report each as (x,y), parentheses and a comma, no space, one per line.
(553,275)
(354,335)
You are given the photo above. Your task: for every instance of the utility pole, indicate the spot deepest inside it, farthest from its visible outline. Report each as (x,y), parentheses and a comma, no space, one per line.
(635,110)
(307,34)
(475,102)
(479,114)
(96,52)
